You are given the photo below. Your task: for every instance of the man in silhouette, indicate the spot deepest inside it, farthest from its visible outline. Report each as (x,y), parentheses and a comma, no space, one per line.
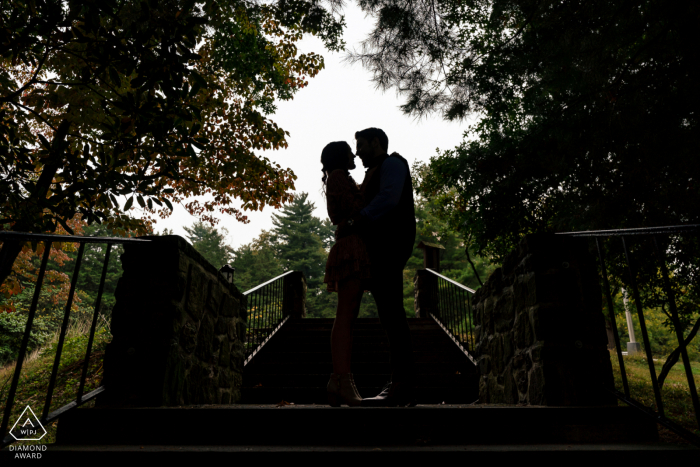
(387,225)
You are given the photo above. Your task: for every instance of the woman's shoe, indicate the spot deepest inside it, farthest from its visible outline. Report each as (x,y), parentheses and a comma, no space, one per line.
(341,389)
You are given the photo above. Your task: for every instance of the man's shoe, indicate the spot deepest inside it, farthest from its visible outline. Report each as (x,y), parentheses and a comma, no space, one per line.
(393,394)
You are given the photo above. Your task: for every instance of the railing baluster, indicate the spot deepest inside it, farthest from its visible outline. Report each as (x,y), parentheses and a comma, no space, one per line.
(463,321)
(62,335)
(93,325)
(645,336)
(267,308)
(679,332)
(470,308)
(613,322)
(25,339)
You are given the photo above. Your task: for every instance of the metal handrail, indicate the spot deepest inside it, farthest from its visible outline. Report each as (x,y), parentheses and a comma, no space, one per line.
(248,292)
(451,281)
(625,396)
(636,231)
(454,314)
(22,236)
(81,398)
(265,314)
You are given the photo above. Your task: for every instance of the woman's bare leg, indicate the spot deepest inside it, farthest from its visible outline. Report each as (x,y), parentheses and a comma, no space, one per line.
(349,296)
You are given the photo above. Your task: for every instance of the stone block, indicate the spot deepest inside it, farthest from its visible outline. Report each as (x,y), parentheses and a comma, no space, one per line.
(195,292)
(225,352)
(228,306)
(188,337)
(510,390)
(205,340)
(523,334)
(535,389)
(226,378)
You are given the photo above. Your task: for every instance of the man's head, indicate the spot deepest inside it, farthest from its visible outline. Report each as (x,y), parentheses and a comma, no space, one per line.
(371,143)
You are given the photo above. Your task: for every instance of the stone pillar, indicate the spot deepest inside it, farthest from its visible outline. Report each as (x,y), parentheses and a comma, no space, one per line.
(540,331)
(178,330)
(425,293)
(294,298)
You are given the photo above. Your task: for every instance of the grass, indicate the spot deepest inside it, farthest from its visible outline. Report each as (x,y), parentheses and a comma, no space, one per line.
(675,393)
(36,373)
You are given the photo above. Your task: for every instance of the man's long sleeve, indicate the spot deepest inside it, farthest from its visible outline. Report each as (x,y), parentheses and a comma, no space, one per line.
(393,177)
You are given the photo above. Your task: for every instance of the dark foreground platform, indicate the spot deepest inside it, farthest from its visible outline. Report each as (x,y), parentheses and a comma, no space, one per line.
(270,425)
(426,432)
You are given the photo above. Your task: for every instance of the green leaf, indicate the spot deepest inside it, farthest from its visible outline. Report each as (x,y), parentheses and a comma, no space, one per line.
(139,198)
(198,78)
(114,75)
(128,204)
(167,203)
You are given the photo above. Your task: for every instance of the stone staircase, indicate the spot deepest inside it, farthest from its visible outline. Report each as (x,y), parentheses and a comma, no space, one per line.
(284,412)
(294,366)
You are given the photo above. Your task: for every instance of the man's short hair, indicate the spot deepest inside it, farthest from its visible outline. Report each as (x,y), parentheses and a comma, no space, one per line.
(370,133)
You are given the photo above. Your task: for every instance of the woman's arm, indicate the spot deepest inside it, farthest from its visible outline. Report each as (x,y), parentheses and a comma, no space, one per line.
(338,196)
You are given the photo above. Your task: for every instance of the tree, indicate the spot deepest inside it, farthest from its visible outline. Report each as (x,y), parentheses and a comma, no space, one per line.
(297,237)
(581,104)
(588,121)
(256,262)
(155,101)
(211,243)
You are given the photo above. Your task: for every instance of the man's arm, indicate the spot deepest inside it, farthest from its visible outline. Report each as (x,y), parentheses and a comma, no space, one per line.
(393,177)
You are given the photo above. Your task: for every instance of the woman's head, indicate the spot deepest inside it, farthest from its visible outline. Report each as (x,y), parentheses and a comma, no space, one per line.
(336,155)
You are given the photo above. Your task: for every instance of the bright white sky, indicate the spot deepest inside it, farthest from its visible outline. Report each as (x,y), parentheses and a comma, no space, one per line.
(340,100)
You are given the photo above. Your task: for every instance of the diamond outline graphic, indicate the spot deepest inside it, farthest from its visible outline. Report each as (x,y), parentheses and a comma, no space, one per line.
(20,418)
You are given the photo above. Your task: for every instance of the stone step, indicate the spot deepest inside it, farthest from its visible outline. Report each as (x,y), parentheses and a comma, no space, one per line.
(366,346)
(357,357)
(361,380)
(318,395)
(370,368)
(366,335)
(298,425)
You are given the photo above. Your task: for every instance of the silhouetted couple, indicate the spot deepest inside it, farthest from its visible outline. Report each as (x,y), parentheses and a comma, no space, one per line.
(374,239)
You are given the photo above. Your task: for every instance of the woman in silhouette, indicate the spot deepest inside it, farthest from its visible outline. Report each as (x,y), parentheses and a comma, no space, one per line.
(347,266)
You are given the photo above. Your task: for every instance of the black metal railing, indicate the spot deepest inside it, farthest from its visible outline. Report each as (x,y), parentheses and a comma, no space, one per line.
(452,305)
(657,240)
(266,313)
(81,397)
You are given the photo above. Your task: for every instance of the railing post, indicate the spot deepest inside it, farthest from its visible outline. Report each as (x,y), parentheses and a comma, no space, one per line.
(425,293)
(540,327)
(178,329)
(294,295)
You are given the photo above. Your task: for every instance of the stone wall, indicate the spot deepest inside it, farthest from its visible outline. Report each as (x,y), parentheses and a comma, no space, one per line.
(540,330)
(178,330)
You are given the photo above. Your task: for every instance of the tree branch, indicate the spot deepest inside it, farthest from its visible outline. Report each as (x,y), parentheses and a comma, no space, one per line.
(466,250)
(673,358)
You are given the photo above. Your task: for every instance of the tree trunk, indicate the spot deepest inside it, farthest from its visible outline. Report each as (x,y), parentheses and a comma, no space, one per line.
(673,358)
(12,248)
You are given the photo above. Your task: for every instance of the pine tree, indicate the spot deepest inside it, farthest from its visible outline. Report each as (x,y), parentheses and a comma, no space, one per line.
(210,243)
(298,236)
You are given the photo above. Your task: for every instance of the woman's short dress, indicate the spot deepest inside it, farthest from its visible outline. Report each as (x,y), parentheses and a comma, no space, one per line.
(348,257)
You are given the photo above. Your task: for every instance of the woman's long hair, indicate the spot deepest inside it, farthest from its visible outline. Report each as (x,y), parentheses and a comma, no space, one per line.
(333,157)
